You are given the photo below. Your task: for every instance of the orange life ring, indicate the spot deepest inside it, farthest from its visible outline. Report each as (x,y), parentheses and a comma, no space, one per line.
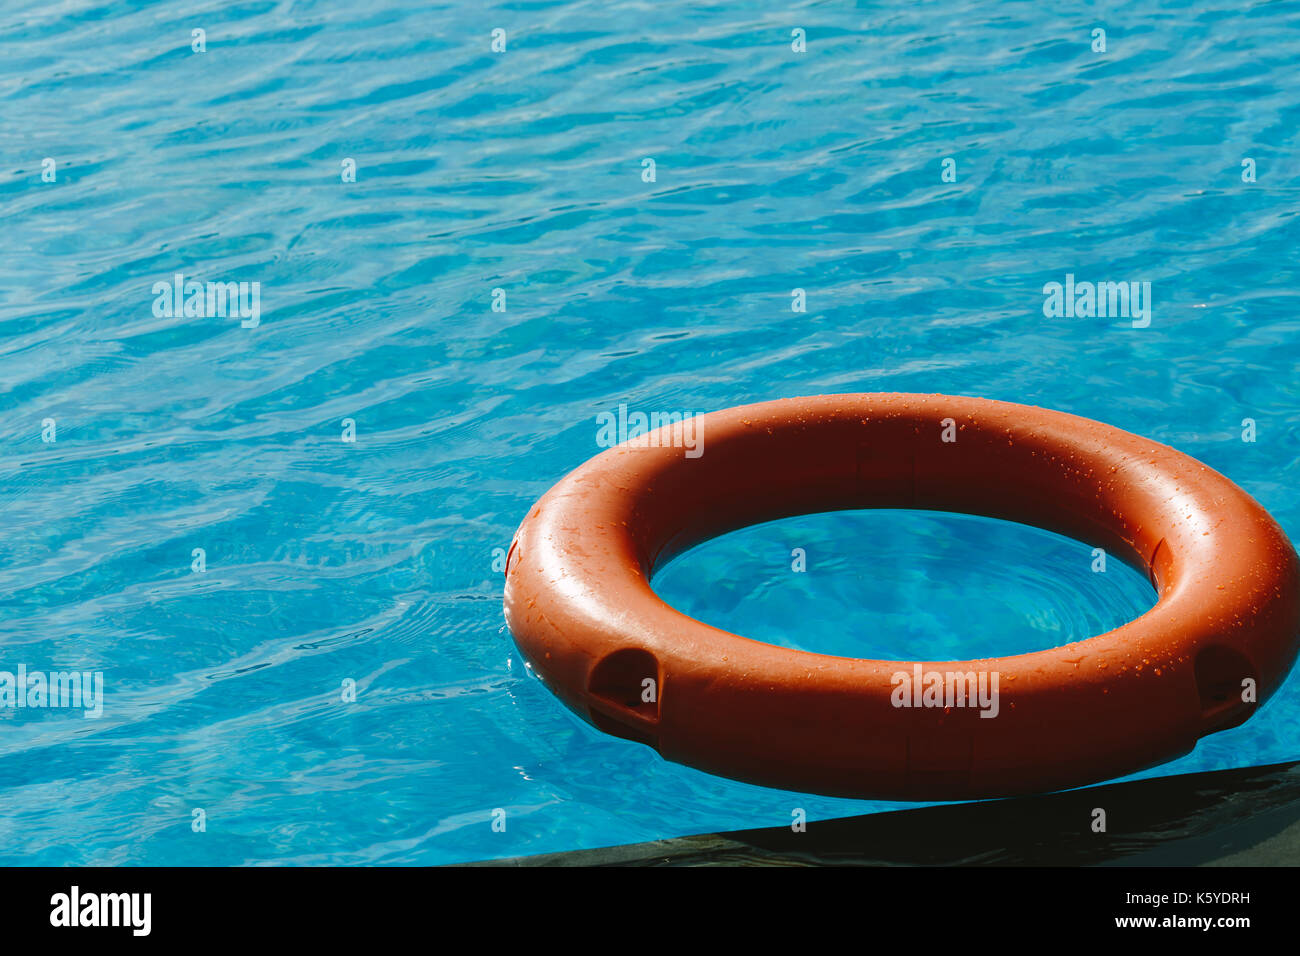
(1220,640)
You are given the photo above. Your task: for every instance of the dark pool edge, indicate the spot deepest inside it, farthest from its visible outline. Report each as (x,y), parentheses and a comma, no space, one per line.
(1244,817)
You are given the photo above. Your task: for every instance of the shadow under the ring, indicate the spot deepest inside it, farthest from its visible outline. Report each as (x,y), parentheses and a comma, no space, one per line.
(1245,817)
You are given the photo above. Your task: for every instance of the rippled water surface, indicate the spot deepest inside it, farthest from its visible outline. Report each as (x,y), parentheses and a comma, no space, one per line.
(372,561)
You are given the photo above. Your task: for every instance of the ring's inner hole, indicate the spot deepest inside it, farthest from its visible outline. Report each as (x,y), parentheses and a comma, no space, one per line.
(904,585)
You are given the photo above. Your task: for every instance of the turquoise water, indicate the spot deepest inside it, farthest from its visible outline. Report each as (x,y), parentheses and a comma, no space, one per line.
(372,561)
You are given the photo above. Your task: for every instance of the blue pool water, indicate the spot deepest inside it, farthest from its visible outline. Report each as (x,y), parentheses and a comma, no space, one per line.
(372,561)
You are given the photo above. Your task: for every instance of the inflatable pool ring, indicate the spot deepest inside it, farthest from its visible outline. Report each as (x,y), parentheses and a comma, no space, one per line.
(1220,639)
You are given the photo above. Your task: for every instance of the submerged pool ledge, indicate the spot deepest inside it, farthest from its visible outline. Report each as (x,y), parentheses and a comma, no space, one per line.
(1246,817)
